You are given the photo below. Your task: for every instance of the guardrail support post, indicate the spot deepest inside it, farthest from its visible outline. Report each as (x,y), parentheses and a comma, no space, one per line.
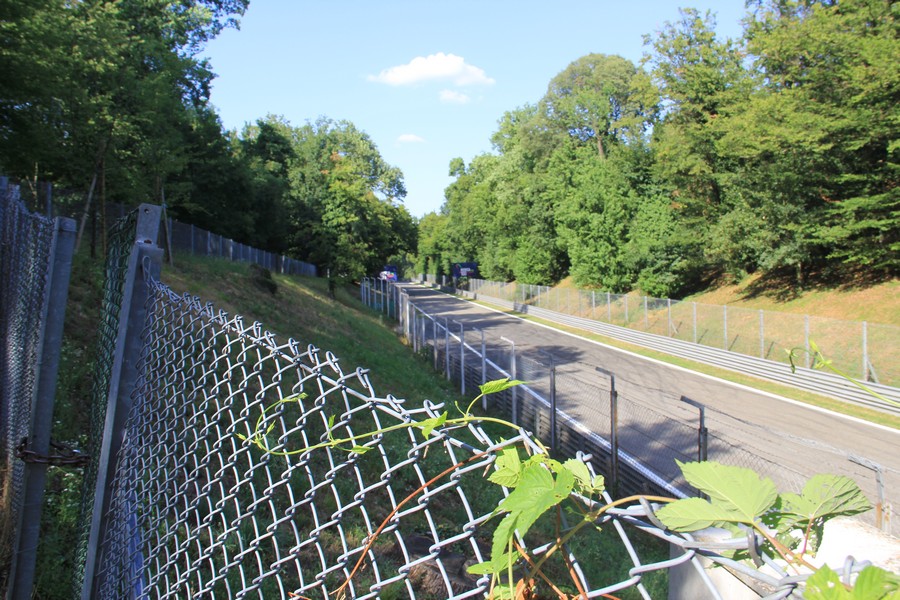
(447,348)
(553,440)
(512,374)
(613,431)
(702,431)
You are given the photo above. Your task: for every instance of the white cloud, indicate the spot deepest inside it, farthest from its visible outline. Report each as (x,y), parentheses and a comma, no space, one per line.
(410,138)
(454,97)
(434,67)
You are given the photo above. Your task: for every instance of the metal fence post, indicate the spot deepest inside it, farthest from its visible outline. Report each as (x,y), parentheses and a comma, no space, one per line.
(512,375)
(483,362)
(695,321)
(123,378)
(806,338)
(553,440)
(669,315)
(762,338)
(702,431)
(22,569)
(613,429)
(462,358)
(434,336)
(446,348)
(865,351)
(725,326)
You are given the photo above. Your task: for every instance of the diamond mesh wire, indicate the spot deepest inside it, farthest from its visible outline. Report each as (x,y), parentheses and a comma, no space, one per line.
(25,242)
(120,242)
(200,510)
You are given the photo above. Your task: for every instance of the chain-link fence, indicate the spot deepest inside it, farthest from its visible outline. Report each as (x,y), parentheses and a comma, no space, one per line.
(227,463)
(196,241)
(200,242)
(239,472)
(221,482)
(35,262)
(867,351)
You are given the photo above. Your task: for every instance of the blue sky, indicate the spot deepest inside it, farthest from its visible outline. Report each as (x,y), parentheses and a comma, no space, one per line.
(427,80)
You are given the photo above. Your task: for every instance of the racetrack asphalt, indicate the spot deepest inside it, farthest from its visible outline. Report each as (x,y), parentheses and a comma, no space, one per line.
(780,438)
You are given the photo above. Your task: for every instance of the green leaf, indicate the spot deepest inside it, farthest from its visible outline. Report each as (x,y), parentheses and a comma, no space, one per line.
(498,385)
(692,514)
(428,425)
(500,544)
(825,497)
(537,491)
(482,568)
(583,476)
(875,583)
(359,449)
(509,469)
(735,489)
(824,584)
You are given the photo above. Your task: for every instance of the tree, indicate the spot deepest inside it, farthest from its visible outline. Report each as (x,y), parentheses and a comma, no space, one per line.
(592,99)
(827,114)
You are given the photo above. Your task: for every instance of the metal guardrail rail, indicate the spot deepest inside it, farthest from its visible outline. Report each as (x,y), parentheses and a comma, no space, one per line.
(804,378)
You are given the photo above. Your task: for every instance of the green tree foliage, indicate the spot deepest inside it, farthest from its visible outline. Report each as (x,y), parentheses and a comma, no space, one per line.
(324,194)
(776,152)
(104,87)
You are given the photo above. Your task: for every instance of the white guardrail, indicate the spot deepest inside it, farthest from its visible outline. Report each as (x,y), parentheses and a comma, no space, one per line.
(812,380)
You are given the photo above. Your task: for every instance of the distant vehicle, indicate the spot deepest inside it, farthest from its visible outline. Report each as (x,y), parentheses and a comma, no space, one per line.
(389,273)
(465,269)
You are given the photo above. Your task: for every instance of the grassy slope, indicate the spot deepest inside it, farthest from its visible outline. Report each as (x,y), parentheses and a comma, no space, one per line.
(878,303)
(302,309)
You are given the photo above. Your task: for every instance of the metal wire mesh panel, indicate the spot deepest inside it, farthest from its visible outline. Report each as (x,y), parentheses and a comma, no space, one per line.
(227,487)
(120,242)
(24,266)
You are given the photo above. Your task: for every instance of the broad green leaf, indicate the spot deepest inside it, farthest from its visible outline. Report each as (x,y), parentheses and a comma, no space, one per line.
(509,469)
(691,514)
(537,490)
(872,583)
(498,385)
(359,449)
(824,497)
(428,425)
(583,476)
(876,583)
(735,489)
(500,544)
(825,584)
